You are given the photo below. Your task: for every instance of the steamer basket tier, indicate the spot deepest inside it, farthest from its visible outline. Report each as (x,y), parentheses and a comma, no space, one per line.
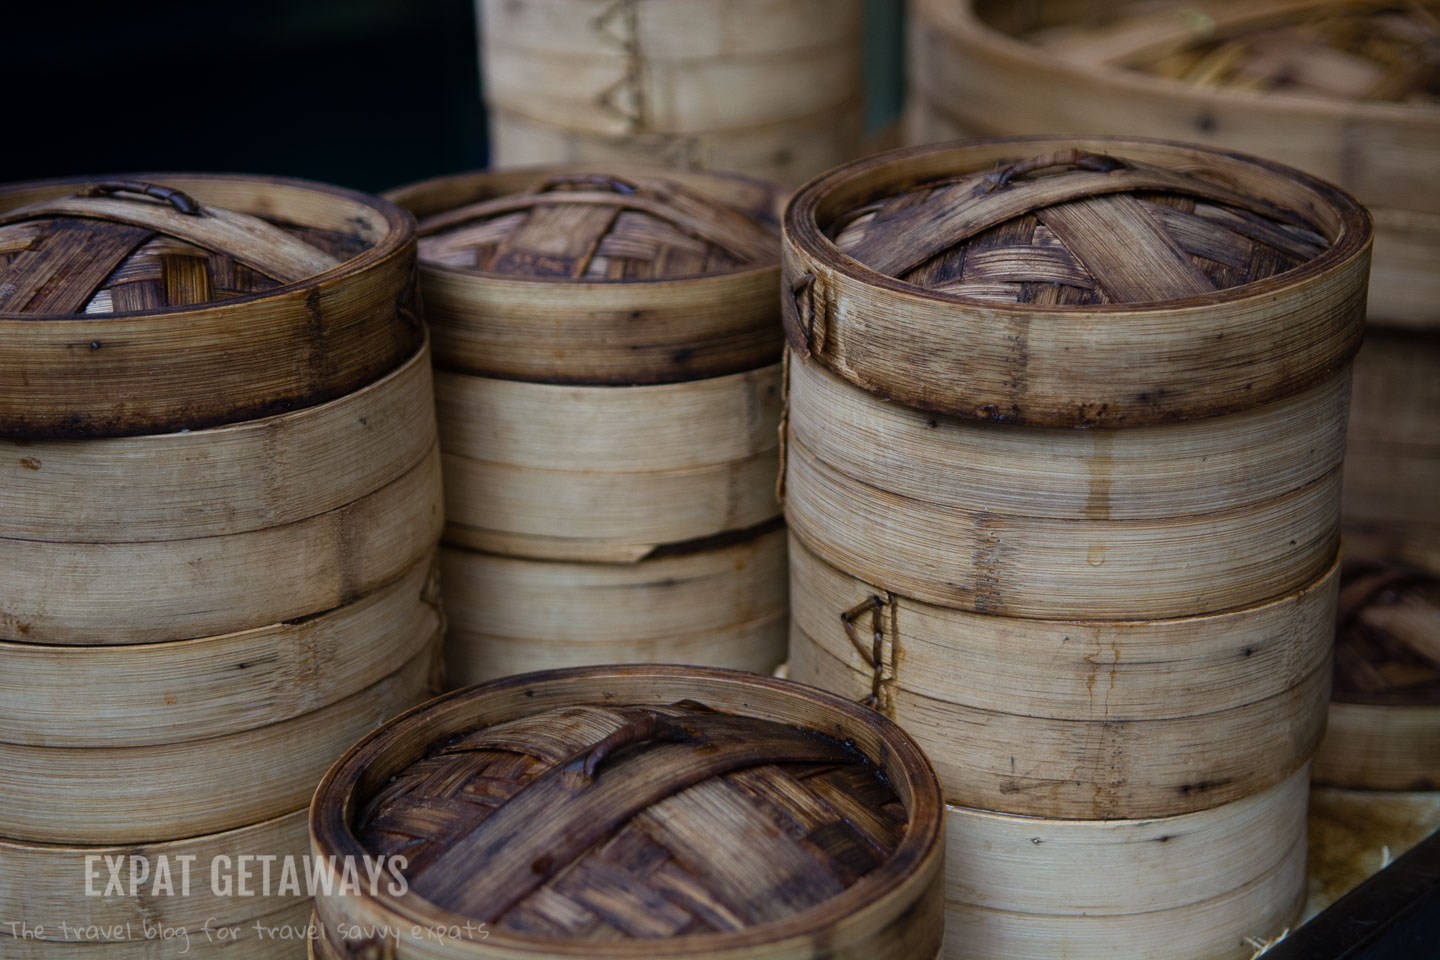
(143,285)
(647,811)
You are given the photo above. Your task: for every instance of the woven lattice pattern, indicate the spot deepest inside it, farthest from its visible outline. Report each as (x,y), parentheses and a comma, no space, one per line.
(731,851)
(1077,241)
(599,228)
(1388,646)
(57,265)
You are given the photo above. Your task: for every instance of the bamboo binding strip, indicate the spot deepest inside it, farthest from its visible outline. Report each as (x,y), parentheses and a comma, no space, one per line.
(1170,282)
(142,298)
(724,606)
(45,884)
(677,309)
(573,472)
(626,860)
(594,78)
(1077,719)
(158,693)
(1343,90)
(104,795)
(1384,731)
(1192,887)
(125,593)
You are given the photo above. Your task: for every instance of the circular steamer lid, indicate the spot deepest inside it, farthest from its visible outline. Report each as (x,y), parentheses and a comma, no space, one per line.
(1387,647)
(182,301)
(599,275)
(1075,282)
(576,812)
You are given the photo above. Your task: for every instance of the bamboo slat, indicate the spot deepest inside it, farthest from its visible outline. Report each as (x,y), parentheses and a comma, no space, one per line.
(126,593)
(320,308)
(641,73)
(607,472)
(219,482)
(1341,90)
(1193,886)
(676,320)
(933,277)
(249,943)
(975,559)
(725,606)
(1158,472)
(45,885)
(1076,719)
(111,795)
(646,852)
(1384,731)
(158,693)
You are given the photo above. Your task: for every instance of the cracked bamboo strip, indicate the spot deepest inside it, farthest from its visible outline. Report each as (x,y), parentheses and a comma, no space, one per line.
(125,593)
(661,849)
(157,693)
(1173,470)
(249,943)
(1045,567)
(45,883)
(723,606)
(576,472)
(223,481)
(984,68)
(112,795)
(556,330)
(639,70)
(316,325)
(1182,337)
(1077,719)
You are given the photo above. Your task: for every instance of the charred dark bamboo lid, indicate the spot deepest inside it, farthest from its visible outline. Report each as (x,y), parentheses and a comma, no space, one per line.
(653,811)
(599,275)
(1387,647)
(180,301)
(1075,282)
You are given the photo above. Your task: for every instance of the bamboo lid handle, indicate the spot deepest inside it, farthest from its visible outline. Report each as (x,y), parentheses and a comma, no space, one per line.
(1061,158)
(580,771)
(179,199)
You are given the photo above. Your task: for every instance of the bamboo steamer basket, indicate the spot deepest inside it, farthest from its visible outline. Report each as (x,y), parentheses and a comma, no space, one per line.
(143,286)
(606,473)
(1190,887)
(159,693)
(45,885)
(725,606)
(1116,521)
(724,839)
(277,941)
(1343,90)
(592,80)
(1074,719)
(155,792)
(1384,731)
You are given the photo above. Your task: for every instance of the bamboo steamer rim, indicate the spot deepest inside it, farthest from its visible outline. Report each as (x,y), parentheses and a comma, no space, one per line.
(812,260)
(399,227)
(417,198)
(959,17)
(373,761)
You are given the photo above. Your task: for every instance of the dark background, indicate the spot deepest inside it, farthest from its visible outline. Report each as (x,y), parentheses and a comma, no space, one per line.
(364,93)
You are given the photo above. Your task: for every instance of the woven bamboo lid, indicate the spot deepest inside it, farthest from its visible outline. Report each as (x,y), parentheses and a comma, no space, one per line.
(599,275)
(677,809)
(1387,649)
(1075,282)
(181,301)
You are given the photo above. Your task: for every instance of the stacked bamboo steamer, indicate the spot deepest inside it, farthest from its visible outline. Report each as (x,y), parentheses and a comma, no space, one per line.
(221,500)
(644,811)
(607,380)
(772,88)
(1343,89)
(1065,429)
